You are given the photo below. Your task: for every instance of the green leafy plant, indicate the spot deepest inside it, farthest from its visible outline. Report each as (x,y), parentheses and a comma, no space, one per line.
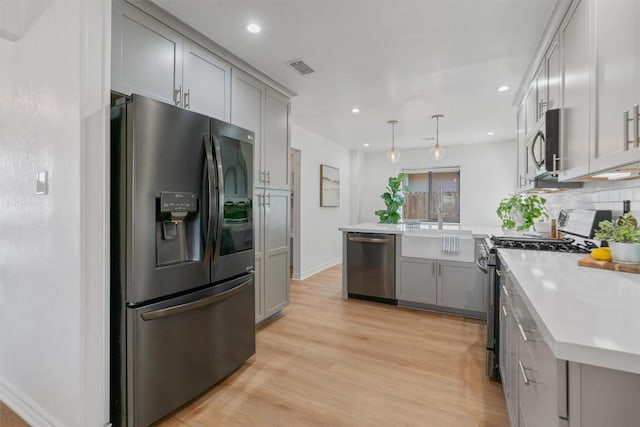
(519,211)
(624,230)
(393,199)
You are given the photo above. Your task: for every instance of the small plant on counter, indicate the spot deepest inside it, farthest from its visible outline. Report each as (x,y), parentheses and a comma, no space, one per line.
(393,199)
(519,211)
(623,230)
(623,237)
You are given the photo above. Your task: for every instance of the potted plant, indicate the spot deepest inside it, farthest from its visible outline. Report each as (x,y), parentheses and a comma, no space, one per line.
(623,237)
(519,211)
(393,199)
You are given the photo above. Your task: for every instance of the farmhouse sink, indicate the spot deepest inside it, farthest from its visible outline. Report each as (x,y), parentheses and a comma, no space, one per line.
(428,243)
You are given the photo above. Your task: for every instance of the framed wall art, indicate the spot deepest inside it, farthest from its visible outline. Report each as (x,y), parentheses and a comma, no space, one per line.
(329,186)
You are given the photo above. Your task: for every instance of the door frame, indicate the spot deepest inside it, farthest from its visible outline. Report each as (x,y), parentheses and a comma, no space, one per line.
(295,161)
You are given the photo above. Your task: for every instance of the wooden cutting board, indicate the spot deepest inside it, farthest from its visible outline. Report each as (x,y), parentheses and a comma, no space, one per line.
(588,261)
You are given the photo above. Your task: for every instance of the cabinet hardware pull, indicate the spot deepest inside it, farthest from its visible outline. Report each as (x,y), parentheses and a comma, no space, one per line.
(508,291)
(268,200)
(433,269)
(527,380)
(523,332)
(504,310)
(625,130)
(262,176)
(268,176)
(439,269)
(636,111)
(556,168)
(177,96)
(187,99)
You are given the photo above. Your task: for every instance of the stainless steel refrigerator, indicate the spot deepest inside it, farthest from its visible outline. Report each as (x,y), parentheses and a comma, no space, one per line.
(182,255)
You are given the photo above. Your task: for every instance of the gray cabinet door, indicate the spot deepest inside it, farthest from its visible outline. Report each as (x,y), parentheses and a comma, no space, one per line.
(276,141)
(276,251)
(248,97)
(258,244)
(617,82)
(575,118)
(146,56)
(418,280)
(206,83)
(461,286)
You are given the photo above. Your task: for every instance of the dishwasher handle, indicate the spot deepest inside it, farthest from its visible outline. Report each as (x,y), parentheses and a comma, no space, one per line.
(369,239)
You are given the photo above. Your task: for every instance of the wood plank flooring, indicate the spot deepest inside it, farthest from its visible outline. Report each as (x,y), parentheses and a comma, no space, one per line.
(330,362)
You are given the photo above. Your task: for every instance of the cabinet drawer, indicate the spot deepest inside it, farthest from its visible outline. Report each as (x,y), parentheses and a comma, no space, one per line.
(542,383)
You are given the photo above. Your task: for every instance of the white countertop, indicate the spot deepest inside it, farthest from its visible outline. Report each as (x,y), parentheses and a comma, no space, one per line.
(585,315)
(480,231)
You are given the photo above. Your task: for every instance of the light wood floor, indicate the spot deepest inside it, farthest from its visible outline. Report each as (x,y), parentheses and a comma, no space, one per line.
(330,362)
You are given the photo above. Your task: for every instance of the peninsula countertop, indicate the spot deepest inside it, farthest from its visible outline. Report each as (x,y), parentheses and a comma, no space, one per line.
(477,231)
(585,315)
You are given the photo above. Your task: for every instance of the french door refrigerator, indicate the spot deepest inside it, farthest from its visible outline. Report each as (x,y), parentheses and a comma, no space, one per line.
(182,255)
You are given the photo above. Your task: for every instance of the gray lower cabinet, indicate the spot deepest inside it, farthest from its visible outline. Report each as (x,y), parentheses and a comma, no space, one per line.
(418,280)
(544,391)
(453,286)
(271,218)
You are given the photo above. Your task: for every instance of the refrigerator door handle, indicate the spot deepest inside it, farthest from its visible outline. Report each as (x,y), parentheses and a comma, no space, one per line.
(220,198)
(182,308)
(210,190)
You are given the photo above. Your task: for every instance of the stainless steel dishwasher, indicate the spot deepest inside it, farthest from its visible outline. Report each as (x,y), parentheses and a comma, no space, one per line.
(371,272)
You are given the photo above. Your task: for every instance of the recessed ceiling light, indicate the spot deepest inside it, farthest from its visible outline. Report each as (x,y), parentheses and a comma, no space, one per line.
(254,28)
(504,88)
(366,145)
(355,110)
(490,133)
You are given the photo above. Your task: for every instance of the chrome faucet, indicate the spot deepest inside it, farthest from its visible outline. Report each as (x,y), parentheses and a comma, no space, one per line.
(440,210)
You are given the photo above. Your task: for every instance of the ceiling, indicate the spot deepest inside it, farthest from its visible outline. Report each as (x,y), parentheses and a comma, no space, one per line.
(403,59)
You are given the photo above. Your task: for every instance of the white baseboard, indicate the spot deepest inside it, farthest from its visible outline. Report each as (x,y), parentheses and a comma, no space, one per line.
(315,270)
(25,408)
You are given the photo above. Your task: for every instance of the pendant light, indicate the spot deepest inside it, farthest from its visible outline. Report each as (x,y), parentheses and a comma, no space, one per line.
(393,154)
(437,152)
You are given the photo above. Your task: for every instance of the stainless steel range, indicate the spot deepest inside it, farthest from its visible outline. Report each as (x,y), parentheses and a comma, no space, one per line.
(578,227)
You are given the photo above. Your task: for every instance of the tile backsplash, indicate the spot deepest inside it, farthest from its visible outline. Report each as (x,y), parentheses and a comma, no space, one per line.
(597,195)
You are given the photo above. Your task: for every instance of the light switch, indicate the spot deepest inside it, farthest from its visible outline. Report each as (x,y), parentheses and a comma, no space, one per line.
(42,182)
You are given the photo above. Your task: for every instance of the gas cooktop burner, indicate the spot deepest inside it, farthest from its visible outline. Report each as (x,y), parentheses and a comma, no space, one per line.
(554,245)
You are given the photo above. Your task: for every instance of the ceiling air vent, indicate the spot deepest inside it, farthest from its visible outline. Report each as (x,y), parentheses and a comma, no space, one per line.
(300,66)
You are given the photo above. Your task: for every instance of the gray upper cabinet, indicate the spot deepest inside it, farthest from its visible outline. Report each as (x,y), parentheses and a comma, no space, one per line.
(541,92)
(151,59)
(275,165)
(521,142)
(206,83)
(257,107)
(554,76)
(575,117)
(617,84)
(146,56)
(248,111)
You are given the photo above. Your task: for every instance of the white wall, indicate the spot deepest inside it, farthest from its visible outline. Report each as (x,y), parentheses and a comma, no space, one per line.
(487,174)
(53,256)
(320,240)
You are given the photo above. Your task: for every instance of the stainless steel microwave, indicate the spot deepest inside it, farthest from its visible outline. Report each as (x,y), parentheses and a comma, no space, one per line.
(543,147)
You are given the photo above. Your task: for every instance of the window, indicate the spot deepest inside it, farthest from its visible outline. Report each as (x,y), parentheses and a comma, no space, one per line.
(426,186)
